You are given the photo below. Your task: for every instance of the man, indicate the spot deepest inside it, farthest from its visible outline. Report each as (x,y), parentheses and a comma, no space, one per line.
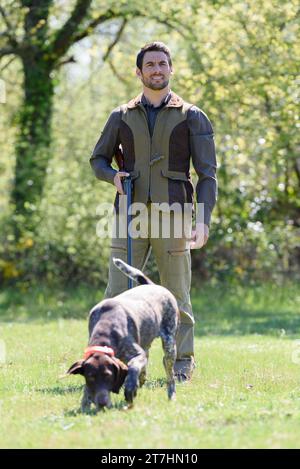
(159,135)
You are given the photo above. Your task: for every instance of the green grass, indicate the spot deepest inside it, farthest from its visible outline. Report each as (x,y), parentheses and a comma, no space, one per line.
(245,392)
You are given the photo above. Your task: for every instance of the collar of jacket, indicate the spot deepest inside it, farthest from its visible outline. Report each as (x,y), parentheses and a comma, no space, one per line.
(175,101)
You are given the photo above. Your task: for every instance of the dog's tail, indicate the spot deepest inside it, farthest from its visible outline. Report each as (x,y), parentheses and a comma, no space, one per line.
(136,274)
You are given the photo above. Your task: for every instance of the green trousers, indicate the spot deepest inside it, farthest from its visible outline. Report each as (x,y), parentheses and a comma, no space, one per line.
(173,258)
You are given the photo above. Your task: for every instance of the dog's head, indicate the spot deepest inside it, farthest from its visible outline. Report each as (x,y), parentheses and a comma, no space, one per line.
(103,374)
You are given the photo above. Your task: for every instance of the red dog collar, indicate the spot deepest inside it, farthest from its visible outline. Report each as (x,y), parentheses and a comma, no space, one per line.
(98,349)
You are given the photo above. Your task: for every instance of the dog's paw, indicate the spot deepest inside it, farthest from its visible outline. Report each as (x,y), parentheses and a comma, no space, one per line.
(130,393)
(86,403)
(85,408)
(171,392)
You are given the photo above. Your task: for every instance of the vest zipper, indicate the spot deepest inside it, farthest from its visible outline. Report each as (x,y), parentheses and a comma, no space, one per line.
(150,149)
(146,119)
(184,192)
(160,112)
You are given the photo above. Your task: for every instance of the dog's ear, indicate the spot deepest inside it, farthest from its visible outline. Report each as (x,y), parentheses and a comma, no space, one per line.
(76,368)
(121,370)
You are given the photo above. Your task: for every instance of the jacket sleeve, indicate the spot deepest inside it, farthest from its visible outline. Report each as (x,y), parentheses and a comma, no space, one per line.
(203,154)
(106,147)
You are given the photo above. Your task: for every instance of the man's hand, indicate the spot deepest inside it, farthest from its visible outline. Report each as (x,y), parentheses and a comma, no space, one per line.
(199,236)
(118,181)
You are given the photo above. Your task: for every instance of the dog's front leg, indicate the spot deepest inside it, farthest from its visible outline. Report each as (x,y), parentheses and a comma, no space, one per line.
(86,401)
(135,367)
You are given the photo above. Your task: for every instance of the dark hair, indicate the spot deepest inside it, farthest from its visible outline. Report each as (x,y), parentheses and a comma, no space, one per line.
(152,46)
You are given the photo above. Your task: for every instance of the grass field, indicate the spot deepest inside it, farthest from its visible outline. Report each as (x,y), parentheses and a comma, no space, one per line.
(245,392)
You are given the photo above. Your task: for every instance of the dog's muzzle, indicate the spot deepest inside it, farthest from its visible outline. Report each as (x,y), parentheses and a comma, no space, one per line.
(102,400)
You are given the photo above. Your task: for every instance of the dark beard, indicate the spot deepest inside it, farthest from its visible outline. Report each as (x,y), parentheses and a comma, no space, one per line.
(155,86)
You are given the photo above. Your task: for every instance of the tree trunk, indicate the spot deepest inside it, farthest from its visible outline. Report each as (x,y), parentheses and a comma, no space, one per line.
(33,142)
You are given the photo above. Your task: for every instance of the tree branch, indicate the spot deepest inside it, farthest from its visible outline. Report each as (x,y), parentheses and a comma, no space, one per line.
(65,37)
(7,51)
(116,40)
(4,16)
(297,168)
(7,64)
(173,26)
(7,33)
(4,34)
(114,70)
(109,15)
(67,60)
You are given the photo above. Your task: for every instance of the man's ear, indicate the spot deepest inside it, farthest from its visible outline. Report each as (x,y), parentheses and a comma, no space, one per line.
(122,370)
(76,368)
(138,72)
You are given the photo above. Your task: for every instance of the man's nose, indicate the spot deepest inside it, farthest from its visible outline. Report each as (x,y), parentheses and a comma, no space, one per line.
(156,68)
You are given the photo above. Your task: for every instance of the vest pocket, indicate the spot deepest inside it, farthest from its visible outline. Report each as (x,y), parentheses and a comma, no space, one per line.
(180,252)
(180,186)
(174,175)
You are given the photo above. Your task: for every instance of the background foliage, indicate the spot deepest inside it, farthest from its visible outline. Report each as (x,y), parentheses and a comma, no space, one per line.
(236,60)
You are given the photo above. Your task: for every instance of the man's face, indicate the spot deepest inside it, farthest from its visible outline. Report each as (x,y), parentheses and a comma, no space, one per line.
(156,71)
